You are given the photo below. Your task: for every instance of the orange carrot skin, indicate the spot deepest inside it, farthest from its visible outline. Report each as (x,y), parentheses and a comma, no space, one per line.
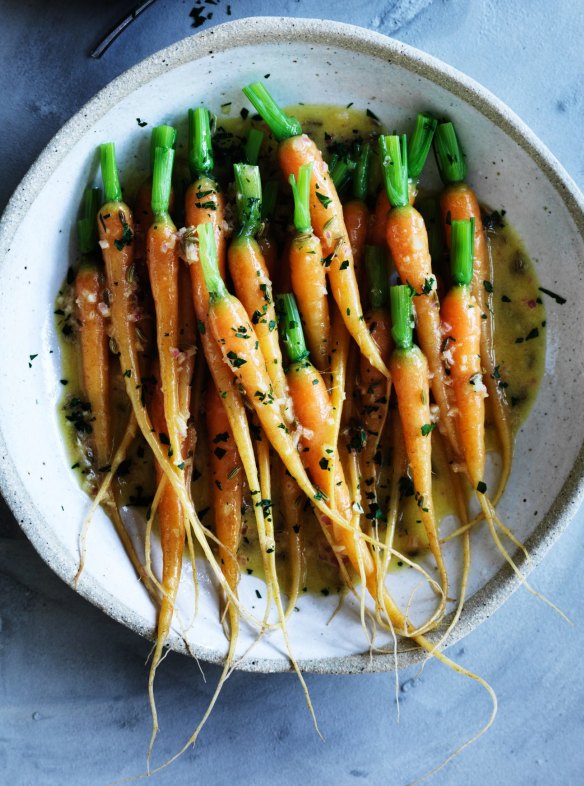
(308,280)
(269,249)
(254,290)
(326,214)
(143,216)
(461,322)
(356,215)
(292,501)
(93,336)
(170,520)
(314,411)
(378,220)
(227,487)
(408,244)
(163,266)
(205,204)
(409,374)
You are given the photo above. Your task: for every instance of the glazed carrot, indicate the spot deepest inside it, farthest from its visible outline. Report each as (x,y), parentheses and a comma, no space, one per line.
(408,244)
(93,336)
(458,201)
(326,213)
(307,274)
(227,486)
(317,443)
(292,504)
(410,376)
(374,388)
(251,281)
(356,212)
(162,259)
(461,323)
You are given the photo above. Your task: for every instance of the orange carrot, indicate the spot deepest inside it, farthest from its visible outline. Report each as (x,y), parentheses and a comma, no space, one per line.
(307,274)
(356,212)
(408,244)
(326,214)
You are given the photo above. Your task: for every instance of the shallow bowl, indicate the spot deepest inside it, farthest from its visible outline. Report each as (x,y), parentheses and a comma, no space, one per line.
(317,62)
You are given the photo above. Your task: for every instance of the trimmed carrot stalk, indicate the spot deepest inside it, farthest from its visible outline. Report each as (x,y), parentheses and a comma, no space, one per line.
(461,323)
(458,201)
(253,145)
(317,448)
(356,212)
(162,136)
(419,145)
(407,240)
(266,240)
(307,274)
(227,486)
(375,389)
(204,201)
(162,259)
(251,281)
(93,329)
(410,376)
(326,215)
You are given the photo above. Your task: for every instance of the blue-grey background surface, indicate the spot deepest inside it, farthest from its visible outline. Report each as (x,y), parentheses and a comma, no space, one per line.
(73,706)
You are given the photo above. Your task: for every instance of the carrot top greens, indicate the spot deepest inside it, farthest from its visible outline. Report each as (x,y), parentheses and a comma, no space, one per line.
(112,191)
(361,172)
(291,329)
(419,144)
(162,181)
(301,192)
(200,142)
(253,145)
(394,161)
(402,316)
(462,250)
(208,260)
(282,125)
(449,154)
(87,224)
(248,198)
(162,136)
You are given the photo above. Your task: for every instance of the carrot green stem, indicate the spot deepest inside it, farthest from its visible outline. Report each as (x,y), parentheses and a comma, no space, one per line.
(162,180)
(162,136)
(208,259)
(401,316)
(112,191)
(341,172)
(248,198)
(419,144)
(301,192)
(253,145)
(291,328)
(449,154)
(377,276)
(361,173)
(394,160)
(462,250)
(269,198)
(87,224)
(200,142)
(282,125)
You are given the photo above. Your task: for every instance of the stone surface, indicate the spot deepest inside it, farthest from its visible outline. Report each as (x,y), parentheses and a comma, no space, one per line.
(73,706)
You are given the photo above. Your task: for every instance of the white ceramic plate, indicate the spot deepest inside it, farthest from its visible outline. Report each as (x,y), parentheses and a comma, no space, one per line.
(320,62)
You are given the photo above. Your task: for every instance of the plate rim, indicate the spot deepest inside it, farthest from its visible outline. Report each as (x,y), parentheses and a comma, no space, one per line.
(249,31)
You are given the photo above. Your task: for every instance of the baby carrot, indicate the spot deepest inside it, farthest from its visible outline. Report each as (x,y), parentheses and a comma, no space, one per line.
(375,389)
(163,265)
(410,376)
(307,274)
(250,277)
(162,136)
(266,240)
(326,214)
(227,485)
(461,323)
(292,503)
(356,212)
(458,201)
(93,327)
(408,244)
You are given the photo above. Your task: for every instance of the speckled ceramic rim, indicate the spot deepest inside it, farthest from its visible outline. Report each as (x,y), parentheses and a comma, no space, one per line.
(255,31)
